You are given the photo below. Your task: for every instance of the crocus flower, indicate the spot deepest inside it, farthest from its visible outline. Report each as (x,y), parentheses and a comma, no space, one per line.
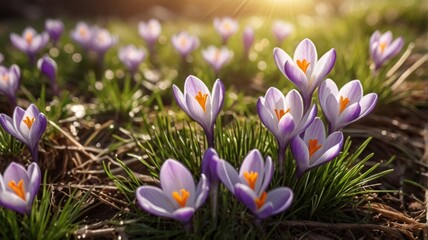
(19,186)
(200,104)
(9,82)
(226,27)
(30,42)
(313,148)
(150,32)
(305,70)
(55,28)
(344,106)
(102,41)
(281,30)
(248,39)
(184,43)
(178,197)
(249,186)
(217,57)
(383,48)
(82,34)
(48,67)
(284,117)
(27,126)
(131,57)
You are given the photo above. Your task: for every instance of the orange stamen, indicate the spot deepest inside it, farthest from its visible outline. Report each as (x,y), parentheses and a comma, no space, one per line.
(183,42)
(18,189)
(29,38)
(279,114)
(313,146)
(181,198)
(343,102)
(261,200)
(29,121)
(5,77)
(251,178)
(304,64)
(382,46)
(83,32)
(202,100)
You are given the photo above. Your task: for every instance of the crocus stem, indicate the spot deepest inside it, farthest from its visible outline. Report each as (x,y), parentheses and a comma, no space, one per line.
(188,226)
(210,137)
(213,195)
(281,152)
(35,154)
(307,100)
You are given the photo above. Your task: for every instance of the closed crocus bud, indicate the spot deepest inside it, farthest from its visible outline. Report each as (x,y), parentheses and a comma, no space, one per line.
(48,67)
(200,104)
(226,27)
(55,28)
(150,32)
(248,39)
(19,187)
(345,106)
(217,57)
(250,184)
(178,198)
(305,70)
(383,48)
(284,117)
(82,34)
(281,30)
(184,43)
(313,148)
(131,57)
(27,126)
(30,42)
(9,82)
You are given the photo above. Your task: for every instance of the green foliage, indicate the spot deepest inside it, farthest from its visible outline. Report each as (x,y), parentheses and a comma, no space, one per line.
(9,146)
(45,220)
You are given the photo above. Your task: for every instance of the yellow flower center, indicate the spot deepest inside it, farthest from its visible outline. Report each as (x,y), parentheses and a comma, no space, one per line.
(5,77)
(181,198)
(313,146)
(29,37)
(83,32)
(202,100)
(227,26)
(18,188)
(183,42)
(382,46)
(304,64)
(343,102)
(261,200)
(29,121)
(280,113)
(251,178)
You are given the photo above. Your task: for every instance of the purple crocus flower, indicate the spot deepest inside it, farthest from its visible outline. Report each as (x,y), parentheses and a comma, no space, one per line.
(131,57)
(55,28)
(248,39)
(217,57)
(383,48)
(82,34)
(178,198)
(344,106)
(19,187)
(27,126)
(284,117)
(313,148)
(102,41)
(305,70)
(30,42)
(209,169)
(9,82)
(226,27)
(150,32)
(48,67)
(184,43)
(281,30)
(200,104)
(249,186)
